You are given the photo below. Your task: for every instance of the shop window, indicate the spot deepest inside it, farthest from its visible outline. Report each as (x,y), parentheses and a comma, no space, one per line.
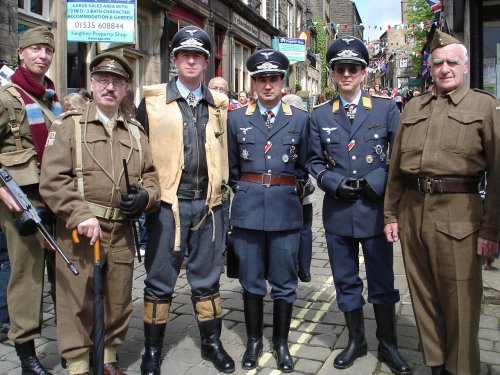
(76,66)
(491,47)
(241,78)
(37,8)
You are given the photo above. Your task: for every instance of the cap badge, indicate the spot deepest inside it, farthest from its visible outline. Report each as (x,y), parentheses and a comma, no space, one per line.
(267,65)
(191,42)
(191,32)
(347,53)
(111,64)
(266,54)
(348,40)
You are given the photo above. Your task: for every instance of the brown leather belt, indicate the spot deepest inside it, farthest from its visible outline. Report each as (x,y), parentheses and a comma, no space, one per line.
(268,179)
(438,186)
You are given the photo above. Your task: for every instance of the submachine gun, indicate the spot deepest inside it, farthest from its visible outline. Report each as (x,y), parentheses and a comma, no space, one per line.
(30,216)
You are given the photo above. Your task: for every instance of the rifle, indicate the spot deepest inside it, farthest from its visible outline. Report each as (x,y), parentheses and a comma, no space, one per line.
(31,214)
(132,222)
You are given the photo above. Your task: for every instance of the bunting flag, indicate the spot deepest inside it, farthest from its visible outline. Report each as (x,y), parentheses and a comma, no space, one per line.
(436,8)
(426,68)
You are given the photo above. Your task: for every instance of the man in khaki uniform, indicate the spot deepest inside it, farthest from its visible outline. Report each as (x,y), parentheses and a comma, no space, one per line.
(95,142)
(446,140)
(27,109)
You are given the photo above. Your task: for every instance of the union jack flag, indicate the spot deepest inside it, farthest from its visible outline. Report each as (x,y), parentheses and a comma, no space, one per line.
(436,7)
(426,68)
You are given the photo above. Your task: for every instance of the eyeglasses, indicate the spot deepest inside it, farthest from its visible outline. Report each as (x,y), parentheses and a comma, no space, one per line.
(104,83)
(352,69)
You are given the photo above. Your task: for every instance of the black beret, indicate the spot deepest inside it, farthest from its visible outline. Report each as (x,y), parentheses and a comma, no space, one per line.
(347,49)
(191,38)
(110,62)
(267,62)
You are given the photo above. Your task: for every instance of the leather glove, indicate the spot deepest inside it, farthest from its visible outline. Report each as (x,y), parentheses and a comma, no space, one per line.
(349,190)
(368,192)
(134,202)
(309,187)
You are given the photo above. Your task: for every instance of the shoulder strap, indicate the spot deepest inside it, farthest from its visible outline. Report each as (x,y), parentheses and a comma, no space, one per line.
(78,151)
(136,133)
(8,103)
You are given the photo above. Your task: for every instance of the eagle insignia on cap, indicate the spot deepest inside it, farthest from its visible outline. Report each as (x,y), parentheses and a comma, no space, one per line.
(266,54)
(267,65)
(347,53)
(111,64)
(348,40)
(191,42)
(191,32)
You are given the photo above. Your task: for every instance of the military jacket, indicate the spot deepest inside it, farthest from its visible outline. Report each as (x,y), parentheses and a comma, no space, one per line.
(452,136)
(102,163)
(282,150)
(339,149)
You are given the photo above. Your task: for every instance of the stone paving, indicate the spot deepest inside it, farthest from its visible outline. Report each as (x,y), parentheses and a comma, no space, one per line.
(317,334)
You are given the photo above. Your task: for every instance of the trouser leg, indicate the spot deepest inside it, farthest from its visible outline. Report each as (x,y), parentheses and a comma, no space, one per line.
(208,313)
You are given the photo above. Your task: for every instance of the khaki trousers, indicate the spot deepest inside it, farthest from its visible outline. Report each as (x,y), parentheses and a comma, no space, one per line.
(74,293)
(439,239)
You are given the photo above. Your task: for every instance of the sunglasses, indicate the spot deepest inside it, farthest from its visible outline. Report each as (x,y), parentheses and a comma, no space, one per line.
(352,69)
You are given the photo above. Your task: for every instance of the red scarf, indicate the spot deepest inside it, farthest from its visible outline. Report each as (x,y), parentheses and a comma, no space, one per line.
(36,120)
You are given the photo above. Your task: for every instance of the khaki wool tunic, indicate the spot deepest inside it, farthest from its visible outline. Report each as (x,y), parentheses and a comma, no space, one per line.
(455,136)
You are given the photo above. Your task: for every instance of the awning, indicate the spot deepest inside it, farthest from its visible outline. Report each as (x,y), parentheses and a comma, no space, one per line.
(413,82)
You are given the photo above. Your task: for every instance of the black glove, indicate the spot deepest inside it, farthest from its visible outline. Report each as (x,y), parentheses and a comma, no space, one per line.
(368,192)
(349,190)
(134,202)
(309,187)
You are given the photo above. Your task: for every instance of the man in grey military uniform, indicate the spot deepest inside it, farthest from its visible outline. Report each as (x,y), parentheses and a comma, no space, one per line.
(349,151)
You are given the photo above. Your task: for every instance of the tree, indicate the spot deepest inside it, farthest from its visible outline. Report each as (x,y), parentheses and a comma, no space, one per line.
(321,47)
(418,11)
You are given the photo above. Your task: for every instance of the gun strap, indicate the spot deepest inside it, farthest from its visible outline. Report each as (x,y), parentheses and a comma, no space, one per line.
(14,124)
(134,129)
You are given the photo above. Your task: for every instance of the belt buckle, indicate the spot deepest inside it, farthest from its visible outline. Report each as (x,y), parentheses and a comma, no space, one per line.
(111,213)
(429,185)
(270,178)
(197,194)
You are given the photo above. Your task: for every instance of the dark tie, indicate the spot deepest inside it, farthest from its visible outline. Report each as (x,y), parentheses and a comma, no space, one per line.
(268,116)
(191,99)
(350,110)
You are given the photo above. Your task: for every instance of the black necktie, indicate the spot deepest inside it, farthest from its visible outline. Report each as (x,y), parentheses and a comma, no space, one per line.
(268,116)
(350,110)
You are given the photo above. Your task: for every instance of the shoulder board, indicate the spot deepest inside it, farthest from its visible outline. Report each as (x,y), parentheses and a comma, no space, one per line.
(134,121)
(486,92)
(380,96)
(70,113)
(319,105)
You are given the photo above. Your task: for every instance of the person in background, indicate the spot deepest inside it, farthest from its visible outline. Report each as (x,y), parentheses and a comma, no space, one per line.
(33,90)
(87,192)
(267,144)
(447,139)
(348,156)
(85,95)
(73,102)
(242,99)
(372,91)
(189,120)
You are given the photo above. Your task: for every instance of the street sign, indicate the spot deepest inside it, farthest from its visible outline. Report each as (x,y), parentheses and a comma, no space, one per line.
(293,48)
(108,21)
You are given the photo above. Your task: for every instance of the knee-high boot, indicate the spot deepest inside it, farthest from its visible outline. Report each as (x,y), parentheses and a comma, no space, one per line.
(282,316)
(30,364)
(208,313)
(356,346)
(388,352)
(155,318)
(254,321)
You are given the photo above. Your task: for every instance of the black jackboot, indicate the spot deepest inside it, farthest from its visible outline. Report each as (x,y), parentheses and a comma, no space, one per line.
(439,370)
(282,316)
(388,352)
(211,346)
(29,362)
(254,321)
(357,346)
(155,318)
(153,344)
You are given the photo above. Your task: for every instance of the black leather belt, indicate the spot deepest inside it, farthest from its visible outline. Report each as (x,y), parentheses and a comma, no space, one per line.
(192,194)
(437,185)
(268,179)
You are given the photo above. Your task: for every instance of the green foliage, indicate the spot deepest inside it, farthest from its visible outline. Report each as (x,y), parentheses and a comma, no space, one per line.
(298,87)
(418,11)
(321,50)
(329,92)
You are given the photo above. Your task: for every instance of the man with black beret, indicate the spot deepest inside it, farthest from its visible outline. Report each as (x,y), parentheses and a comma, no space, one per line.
(82,181)
(349,157)
(448,138)
(28,107)
(267,143)
(187,129)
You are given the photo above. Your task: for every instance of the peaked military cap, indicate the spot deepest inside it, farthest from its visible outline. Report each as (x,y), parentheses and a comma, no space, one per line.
(267,62)
(347,49)
(37,35)
(191,38)
(442,39)
(110,62)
